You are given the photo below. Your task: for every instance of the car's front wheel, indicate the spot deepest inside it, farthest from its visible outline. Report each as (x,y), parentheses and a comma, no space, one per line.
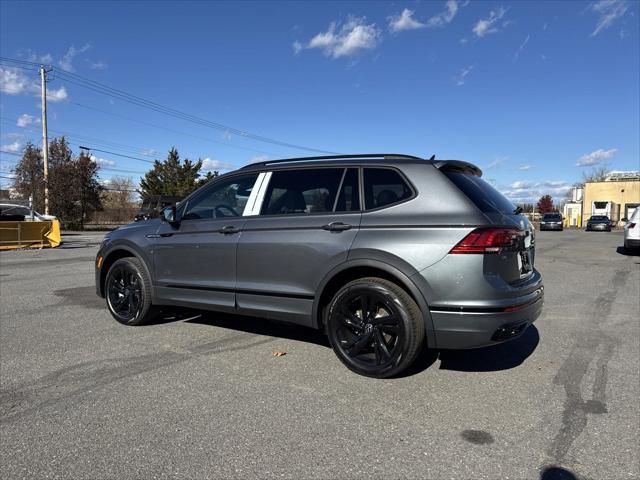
(128,292)
(375,327)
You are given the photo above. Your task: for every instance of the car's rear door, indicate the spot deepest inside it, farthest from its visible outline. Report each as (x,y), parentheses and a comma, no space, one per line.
(304,227)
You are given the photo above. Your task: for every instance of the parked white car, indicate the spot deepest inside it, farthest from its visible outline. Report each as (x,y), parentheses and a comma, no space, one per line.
(29,216)
(632,231)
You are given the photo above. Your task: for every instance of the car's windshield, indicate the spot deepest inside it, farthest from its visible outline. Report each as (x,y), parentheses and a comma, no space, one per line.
(552,216)
(14,210)
(599,217)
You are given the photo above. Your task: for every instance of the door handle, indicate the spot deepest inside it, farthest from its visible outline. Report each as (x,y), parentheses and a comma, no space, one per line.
(336,227)
(229,229)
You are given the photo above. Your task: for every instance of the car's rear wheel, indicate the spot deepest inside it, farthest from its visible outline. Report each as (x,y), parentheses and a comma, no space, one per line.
(375,327)
(128,292)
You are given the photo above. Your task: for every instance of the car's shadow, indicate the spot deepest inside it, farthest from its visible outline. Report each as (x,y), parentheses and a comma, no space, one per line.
(488,359)
(254,325)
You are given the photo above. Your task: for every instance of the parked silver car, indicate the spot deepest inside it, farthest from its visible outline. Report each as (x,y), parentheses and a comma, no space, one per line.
(632,231)
(9,209)
(385,253)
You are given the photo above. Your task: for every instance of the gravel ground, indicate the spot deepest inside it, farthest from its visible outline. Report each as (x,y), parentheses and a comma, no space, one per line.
(203,397)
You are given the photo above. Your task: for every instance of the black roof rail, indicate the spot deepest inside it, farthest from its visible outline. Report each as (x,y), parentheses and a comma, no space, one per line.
(380,156)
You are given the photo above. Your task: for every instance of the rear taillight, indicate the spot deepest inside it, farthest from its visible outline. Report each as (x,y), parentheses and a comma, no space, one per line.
(488,240)
(632,225)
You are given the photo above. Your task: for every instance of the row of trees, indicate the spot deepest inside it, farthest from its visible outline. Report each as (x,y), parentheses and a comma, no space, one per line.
(76,194)
(74,189)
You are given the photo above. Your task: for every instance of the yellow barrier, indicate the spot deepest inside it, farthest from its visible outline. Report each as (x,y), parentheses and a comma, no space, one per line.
(29,234)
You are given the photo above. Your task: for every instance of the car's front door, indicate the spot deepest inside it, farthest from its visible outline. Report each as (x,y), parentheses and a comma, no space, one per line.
(303,228)
(195,260)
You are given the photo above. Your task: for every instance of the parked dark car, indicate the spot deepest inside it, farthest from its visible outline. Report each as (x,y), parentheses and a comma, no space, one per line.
(551,221)
(599,222)
(153,205)
(385,253)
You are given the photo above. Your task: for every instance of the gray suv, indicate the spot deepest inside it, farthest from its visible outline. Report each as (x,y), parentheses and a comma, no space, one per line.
(387,254)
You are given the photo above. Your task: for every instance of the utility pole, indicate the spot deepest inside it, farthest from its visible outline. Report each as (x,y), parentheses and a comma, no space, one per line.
(45,140)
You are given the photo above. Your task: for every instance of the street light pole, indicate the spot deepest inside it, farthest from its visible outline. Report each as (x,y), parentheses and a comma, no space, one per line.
(45,141)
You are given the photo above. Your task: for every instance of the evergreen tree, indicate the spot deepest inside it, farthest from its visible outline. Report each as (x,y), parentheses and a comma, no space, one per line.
(207,178)
(29,176)
(171,177)
(87,189)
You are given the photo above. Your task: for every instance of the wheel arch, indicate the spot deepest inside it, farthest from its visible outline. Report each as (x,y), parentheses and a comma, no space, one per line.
(361,268)
(116,253)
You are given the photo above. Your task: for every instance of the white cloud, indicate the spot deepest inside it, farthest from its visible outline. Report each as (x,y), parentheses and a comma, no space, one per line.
(344,40)
(227,135)
(15,82)
(444,17)
(521,184)
(66,62)
(524,191)
(524,167)
(608,12)
(25,120)
(461,77)
(99,65)
(596,157)
(496,163)
(32,56)
(148,152)
(209,164)
(486,26)
(57,95)
(12,147)
(103,162)
(521,48)
(404,21)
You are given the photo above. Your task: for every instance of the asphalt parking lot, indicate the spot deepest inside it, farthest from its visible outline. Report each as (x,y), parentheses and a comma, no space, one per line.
(203,397)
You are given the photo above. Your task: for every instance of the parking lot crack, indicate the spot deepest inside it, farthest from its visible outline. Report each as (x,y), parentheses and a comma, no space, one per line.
(593,343)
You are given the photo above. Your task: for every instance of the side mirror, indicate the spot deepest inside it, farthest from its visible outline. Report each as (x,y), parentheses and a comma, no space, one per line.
(169,215)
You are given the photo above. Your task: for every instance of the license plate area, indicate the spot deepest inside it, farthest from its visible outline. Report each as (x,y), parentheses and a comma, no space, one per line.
(524,263)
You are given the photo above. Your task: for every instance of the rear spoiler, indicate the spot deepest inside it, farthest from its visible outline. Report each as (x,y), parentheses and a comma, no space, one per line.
(458,165)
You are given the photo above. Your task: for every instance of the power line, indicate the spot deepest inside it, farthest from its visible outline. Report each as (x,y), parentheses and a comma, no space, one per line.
(239,147)
(68,134)
(139,101)
(122,95)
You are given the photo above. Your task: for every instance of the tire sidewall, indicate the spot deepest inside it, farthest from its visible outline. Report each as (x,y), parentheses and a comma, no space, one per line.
(333,325)
(146,301)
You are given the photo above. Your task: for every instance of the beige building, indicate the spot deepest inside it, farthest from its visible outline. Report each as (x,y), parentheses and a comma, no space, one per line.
(615,197)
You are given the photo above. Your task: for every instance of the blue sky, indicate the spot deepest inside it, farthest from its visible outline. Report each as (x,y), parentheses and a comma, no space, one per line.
(535,93)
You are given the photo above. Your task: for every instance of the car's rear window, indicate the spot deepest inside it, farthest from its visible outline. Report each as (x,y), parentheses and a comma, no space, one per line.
(481,193)
(551,216)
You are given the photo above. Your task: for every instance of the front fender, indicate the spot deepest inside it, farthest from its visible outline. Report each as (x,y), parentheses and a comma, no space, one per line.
(130,249)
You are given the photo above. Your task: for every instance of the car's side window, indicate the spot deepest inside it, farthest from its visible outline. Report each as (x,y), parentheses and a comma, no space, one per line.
(384,186)
(349,196)
(304,191)
(220,200)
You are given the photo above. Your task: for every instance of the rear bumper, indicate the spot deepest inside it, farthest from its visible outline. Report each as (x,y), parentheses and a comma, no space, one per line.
(606,228)
(632,242)
(473,327)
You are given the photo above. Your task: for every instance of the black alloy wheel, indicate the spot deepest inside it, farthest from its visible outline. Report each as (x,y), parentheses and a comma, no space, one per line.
(375,327)
(128,293)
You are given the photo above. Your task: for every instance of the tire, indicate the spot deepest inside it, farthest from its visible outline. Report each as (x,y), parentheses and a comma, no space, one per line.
(375,328)
(128,292)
